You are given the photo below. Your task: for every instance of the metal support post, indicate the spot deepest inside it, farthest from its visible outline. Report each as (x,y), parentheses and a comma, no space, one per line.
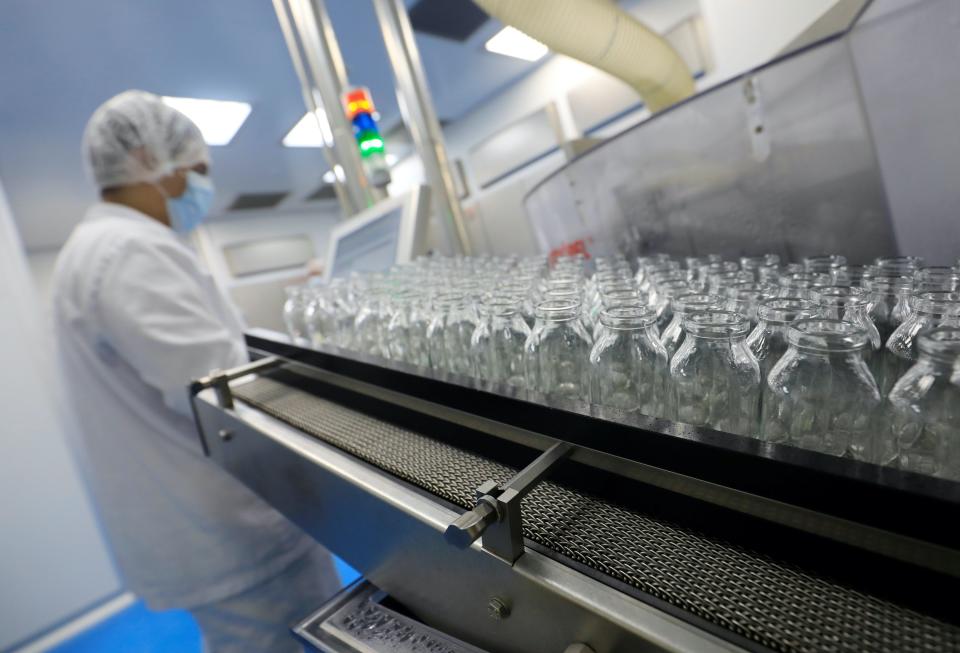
(497,517)
(310,38)
(416,106)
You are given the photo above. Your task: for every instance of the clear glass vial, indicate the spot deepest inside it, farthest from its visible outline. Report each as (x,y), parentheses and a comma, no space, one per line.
(498,343)
(928,311)
(768,340)
(293,314)
(683,305)
(557,352)
(926,407)
(628,365)
(822,396)
(715,378)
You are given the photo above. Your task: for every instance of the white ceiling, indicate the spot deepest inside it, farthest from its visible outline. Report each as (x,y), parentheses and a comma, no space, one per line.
(60,59)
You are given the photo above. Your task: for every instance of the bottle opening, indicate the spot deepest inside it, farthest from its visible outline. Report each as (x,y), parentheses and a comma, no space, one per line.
(717,324)
(628,317)
(557,310)
(785,310)
(827,336)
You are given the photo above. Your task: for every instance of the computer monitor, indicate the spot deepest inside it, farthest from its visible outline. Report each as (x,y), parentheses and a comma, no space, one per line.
(393,231)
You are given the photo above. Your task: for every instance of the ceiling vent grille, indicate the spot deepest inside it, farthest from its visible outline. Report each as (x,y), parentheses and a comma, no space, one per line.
(456,20)
(246,201)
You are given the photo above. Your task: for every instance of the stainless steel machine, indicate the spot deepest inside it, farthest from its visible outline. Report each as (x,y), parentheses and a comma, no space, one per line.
(482,521)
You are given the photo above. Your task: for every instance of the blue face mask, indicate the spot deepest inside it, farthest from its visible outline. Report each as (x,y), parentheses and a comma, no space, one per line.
(189,210)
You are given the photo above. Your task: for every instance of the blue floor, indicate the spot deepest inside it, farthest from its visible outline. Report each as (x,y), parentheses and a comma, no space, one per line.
(139,630)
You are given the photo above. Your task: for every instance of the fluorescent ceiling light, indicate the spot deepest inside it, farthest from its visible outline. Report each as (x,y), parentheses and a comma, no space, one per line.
(306,133)
(218,120)
(513,43)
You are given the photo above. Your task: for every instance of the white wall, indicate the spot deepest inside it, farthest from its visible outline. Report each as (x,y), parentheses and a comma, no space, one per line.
(260,297)
(747,33)
(53,559)
(258,225)
(41,265)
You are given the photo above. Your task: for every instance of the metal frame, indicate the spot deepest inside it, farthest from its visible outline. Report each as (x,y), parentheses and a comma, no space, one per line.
(416,106)
(884,511)
(498,517)
(321,633)
(392,533)
(316,57)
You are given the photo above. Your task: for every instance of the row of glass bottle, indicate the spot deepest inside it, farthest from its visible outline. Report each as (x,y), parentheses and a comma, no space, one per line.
(798,353)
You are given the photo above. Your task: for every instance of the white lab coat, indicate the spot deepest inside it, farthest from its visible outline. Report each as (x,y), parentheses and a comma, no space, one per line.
(136,319)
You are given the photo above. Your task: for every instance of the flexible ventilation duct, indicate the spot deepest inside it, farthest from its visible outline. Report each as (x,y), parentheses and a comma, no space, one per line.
(601,34)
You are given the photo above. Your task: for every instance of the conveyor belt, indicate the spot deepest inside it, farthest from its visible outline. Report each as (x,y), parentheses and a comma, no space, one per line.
(777,605)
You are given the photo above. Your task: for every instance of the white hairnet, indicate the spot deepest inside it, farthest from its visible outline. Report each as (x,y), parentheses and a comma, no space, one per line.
(135,137)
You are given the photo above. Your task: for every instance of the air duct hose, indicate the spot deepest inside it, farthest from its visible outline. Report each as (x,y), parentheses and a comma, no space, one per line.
(599,33)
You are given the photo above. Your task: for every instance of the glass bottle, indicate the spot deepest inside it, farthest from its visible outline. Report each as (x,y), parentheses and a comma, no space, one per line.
(460,322)
(368,325)
(852,275)
(926,407)
(647,265)
(660,268)
(756,265)
(718,282)
(616,298)
(803,284)
(933,278)
(345,308)
(929,310)
(557,352)
(851,305)
(662,301)
(293,314)
(821,394)
(507,337)
(320,316)
(715,378)
(823,263)
(683,305)
(418,315)
(768,340)
(898,264)
(889,297)
(693,266)
(435,331)
(628,364)
(397,341)
(744,298)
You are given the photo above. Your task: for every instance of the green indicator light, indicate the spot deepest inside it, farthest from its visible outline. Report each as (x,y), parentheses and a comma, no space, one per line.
(370,143)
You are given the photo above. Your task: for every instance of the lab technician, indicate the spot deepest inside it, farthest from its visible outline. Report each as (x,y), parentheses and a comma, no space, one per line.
(136,318)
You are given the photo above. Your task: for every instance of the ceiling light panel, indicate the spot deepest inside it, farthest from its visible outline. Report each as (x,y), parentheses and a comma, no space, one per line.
(218,120)
(511,42)
(306,133)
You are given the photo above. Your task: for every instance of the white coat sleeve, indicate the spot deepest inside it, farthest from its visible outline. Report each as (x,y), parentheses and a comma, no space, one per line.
(155,313)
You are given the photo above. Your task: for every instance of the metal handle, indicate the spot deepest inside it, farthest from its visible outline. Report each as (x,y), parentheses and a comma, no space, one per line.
(220,380)
(469,526)
(498,508)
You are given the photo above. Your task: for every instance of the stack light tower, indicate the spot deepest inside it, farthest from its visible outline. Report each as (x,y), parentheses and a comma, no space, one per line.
(361,112)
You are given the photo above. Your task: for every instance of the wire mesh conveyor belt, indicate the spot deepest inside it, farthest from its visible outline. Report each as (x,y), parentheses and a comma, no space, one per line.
(777,605)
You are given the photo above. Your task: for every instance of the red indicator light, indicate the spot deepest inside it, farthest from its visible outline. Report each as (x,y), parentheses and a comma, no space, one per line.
(356,101)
